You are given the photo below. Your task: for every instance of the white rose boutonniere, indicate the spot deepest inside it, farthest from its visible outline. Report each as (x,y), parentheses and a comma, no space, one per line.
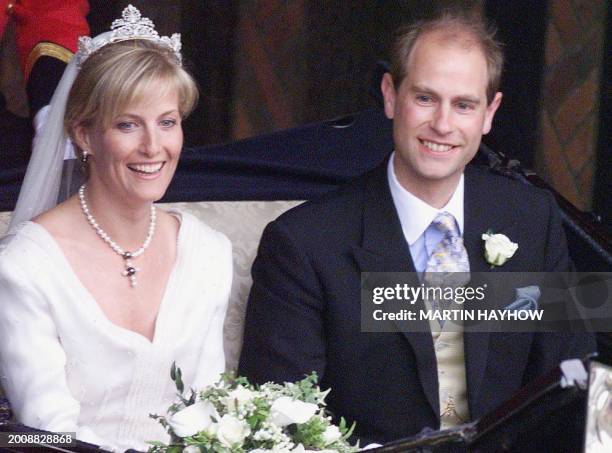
(498,248)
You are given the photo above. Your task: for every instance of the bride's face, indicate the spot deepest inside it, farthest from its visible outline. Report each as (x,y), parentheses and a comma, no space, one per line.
(135,158)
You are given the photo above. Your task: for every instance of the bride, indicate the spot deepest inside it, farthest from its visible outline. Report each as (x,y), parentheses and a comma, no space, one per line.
(101,293)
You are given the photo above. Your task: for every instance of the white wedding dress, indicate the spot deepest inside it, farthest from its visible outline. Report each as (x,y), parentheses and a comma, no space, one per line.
(65,367)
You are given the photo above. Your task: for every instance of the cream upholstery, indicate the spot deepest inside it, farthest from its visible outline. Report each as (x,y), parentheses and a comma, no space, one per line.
(243,223)
(5,217)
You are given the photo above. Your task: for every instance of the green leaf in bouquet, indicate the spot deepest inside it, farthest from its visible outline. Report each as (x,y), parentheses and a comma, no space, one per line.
(260,414)
(160,447)
(346,433)
(177,376)
(200,438)
(205,442)
(187,401)
(241,381)
(161,419)
(310,381)
(192,397)
(308,389)
(310,434)
(174,408)
(156,446)
(228,380)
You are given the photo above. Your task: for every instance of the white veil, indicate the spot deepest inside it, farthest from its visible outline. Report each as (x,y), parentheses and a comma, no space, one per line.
(48,179)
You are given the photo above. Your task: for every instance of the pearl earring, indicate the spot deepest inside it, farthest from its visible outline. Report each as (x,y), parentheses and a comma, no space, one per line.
(85,157)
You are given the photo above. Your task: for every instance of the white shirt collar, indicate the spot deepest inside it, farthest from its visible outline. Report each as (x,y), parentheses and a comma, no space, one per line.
(415,215)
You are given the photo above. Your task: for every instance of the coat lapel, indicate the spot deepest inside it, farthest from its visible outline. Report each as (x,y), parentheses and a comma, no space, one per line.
(481,214)
(384,249)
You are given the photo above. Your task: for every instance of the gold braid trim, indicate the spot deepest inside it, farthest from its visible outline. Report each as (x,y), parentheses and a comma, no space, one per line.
(47,49)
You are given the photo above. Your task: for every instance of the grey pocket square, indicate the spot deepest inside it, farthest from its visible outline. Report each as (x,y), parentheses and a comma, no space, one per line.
(526,299)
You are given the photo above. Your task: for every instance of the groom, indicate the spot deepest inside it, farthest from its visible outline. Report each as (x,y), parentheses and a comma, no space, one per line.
(304,308)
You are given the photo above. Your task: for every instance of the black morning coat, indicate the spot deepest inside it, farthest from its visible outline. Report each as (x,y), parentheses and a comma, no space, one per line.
(303,312)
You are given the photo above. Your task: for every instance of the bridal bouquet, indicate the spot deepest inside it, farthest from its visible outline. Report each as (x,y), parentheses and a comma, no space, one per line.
(233,416)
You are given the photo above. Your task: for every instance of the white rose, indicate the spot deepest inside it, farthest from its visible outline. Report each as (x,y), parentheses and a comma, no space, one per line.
(193,419)
(238,398)
(285,411)
(498,248)
(191,449)
(232,431)
(332,434)
(212,429)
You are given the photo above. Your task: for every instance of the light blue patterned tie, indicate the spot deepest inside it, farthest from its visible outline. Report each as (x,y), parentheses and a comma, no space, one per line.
(448,258)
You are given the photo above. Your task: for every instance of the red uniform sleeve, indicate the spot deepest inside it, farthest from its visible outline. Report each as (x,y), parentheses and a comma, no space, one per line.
(4,15)
(57,22)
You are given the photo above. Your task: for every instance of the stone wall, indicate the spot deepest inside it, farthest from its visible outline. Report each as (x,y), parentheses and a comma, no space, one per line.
(566,156)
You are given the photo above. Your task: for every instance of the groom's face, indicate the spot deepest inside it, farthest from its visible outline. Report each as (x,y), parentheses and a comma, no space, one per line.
(439,111)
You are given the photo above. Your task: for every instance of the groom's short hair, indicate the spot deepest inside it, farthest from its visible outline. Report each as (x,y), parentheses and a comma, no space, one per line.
(467,26)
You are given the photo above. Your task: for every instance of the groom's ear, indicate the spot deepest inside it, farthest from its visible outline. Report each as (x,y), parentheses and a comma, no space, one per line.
(389,94)
(490,113)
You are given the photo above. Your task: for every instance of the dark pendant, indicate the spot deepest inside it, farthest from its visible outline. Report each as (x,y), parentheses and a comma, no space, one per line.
(130,270)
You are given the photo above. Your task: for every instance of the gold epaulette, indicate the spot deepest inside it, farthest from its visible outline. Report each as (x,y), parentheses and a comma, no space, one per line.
(48,49)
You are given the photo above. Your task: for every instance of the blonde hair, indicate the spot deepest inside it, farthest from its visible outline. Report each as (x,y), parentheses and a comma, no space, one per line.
(120,74)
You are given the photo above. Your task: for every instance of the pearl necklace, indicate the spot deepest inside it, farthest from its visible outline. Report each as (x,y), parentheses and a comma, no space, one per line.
(130,270)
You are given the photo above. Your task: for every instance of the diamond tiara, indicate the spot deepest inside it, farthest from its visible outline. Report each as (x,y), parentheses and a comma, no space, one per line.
(131,26)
